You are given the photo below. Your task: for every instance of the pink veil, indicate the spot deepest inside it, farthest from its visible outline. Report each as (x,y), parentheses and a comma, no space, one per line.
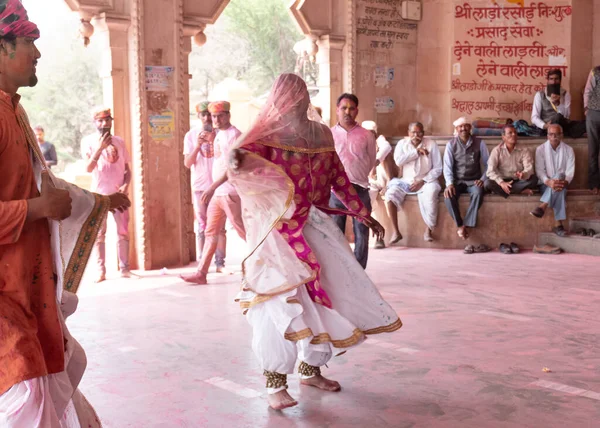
(266,191)
(287,119)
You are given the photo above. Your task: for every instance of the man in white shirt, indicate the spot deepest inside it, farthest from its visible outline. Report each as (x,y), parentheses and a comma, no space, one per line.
(380,175)
(199,152)
(357,149)
(553,105)
(555,168)
(421,164)
(224,201)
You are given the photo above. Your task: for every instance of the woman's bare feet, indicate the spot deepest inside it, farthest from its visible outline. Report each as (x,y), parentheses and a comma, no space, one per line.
(528,192)
(195,278)
(281,400)
(320,382)
(462,232)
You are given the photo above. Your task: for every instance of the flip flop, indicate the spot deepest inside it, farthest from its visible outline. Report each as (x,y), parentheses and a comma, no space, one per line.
(469,249)
(514,248)
(482,248)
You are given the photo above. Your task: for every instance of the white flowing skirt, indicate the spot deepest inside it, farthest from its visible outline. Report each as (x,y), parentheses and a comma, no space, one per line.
(291,323)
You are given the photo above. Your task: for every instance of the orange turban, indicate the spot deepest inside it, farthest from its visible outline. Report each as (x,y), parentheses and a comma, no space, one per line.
(219,107)
(102,113)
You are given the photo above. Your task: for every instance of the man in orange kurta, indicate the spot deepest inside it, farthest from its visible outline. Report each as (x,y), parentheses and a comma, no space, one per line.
(33,339)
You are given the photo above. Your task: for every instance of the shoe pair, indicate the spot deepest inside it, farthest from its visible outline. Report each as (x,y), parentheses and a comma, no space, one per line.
(511,248)
(379,244)
(586,232)
(546,249)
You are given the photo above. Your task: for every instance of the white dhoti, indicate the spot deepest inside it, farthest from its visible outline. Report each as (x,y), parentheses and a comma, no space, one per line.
(428,197)
(52,401)
(291,326)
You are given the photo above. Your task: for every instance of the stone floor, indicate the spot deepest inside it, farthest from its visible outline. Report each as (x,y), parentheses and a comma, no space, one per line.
(478,332)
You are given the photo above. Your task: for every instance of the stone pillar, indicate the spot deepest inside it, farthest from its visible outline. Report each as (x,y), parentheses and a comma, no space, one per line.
(331,71)
(162,193)
(580,64)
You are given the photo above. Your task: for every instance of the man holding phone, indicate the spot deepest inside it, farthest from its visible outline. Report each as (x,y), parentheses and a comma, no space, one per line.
(199,155)
(108,161)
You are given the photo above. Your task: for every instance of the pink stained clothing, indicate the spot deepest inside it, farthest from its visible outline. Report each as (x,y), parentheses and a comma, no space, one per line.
(357,150)
(107,177)
(224,141)
(202,169)
(313,175)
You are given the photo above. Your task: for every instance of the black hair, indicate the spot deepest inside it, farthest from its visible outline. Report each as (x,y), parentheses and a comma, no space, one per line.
(506,126)
(348,96)
(554,72)
(9,38)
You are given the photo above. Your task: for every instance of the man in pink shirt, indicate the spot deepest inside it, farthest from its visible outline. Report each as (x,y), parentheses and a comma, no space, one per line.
(199,152)
(221,197)
(108,161)
(357,149)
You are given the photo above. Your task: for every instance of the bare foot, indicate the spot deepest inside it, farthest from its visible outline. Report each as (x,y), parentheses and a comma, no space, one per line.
(224,271)
(462,233)
(397,236)
(125,273)
(528,192)
(281,400)
(101,278)
(595,191)
(322,383)
(427,235)
(195,278)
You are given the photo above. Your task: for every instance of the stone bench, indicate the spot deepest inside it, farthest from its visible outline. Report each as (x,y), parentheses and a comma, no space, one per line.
(499,220)
(579,145)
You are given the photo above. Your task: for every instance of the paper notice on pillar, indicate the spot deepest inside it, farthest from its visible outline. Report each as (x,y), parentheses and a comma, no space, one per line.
(159,78)
(383,76)
(161,126)
(384,105)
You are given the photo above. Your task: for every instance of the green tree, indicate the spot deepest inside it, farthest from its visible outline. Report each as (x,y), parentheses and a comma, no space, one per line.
(252,41)
(69,85)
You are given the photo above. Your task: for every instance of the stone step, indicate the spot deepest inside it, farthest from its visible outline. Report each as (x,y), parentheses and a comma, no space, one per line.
(584,223)
(572,243)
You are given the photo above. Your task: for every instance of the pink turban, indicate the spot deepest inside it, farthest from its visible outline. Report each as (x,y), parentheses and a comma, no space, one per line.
(14,20)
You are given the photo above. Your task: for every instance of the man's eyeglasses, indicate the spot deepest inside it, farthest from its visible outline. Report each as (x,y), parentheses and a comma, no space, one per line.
(555,134)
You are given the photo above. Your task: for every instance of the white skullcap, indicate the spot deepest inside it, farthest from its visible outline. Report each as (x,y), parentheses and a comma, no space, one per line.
(460,121)
(369,125)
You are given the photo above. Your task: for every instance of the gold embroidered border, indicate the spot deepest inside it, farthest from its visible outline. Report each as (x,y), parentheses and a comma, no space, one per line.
(356,336)
(298,149)
(385,329)
(85,243)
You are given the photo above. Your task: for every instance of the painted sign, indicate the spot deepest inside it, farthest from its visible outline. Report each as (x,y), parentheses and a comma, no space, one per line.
(502,52)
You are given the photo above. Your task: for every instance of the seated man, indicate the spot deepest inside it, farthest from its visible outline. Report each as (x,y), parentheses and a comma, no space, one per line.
(553,105)
(465,165)
(555,168)
(421,164)
(380,175)
(510,168)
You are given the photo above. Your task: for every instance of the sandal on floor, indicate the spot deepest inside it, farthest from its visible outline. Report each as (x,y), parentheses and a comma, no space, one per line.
(469,249)
(482,248)
(504,249)
(514,248)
